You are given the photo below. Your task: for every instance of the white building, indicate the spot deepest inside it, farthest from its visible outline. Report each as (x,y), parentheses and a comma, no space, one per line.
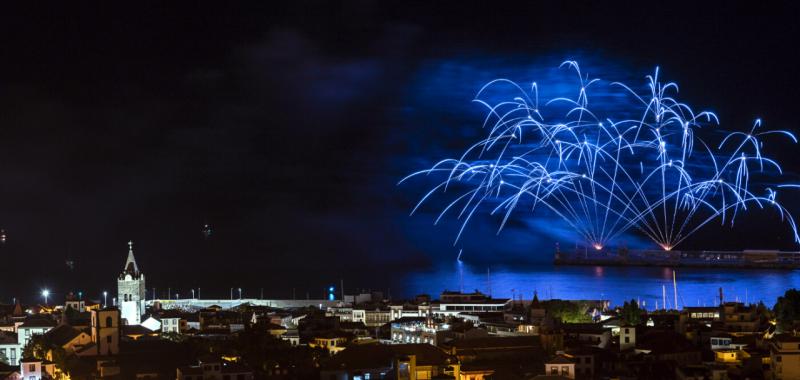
(12,349)
(452,304)
(131,291)
(35,369)
(9,348)
(171,325)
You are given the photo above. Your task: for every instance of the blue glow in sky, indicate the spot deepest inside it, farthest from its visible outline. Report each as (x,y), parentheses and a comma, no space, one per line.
(444,122)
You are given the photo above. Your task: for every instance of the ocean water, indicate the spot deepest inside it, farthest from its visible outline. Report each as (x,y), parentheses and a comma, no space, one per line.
(695,286)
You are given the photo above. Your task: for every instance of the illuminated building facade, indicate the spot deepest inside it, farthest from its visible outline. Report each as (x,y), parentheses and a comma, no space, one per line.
(131,291)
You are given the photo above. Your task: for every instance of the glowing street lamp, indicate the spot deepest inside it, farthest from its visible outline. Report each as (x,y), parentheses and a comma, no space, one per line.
(192,293)
(45,294)
(105,298)
(240,293)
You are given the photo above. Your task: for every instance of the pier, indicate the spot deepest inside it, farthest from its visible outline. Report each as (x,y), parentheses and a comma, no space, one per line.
(194,303)
(755,259)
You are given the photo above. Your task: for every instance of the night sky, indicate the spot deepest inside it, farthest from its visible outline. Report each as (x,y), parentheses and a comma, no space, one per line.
(286,127)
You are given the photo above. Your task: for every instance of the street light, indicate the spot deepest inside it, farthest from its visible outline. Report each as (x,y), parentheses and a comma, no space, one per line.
(240,293)
(45,294)
(105,298)
(192,293)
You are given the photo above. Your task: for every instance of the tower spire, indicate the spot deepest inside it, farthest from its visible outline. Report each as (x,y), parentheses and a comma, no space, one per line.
(130,263)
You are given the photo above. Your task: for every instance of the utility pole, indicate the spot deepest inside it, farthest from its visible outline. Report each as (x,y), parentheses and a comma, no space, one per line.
(675,289)
(489,282)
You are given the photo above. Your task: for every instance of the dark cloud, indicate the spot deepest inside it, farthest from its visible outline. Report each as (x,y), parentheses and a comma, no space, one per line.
(287,127)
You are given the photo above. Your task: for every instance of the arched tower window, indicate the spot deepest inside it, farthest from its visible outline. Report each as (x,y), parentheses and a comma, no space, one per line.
(108,321)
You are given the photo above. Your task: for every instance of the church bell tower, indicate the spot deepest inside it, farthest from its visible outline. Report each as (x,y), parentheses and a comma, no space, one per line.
(131,291)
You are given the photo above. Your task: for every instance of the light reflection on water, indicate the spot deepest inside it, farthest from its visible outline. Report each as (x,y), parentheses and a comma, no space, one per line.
(696,286)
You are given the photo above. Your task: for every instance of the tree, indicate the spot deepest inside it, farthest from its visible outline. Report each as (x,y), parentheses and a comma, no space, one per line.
(568,311)
(36,348)
(787,309)
(631,313)
(3,358)
(173,337)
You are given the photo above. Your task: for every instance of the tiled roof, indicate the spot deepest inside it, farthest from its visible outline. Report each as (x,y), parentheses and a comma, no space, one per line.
(498,342)
(8,337)
(62,334)
(561,359)
(368,356)
(37,321)
(136,330)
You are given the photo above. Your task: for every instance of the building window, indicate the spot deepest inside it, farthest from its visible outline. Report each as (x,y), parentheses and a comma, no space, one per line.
(32,368)
(564,370)
(554,371)
(108,321)
(627,339)
(108,339)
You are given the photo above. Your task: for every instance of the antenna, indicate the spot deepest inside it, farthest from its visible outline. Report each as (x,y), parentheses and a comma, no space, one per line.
(460,278)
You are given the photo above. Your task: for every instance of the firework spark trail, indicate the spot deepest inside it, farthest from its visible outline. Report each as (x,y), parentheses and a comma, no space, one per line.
(604,176)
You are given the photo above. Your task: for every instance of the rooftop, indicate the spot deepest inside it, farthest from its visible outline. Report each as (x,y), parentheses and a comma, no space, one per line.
(367,356)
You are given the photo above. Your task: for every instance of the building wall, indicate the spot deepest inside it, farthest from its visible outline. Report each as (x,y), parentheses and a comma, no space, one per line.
(131,297)
(12,352)
(105,331)
(786,360)
(171,325)
(31,371)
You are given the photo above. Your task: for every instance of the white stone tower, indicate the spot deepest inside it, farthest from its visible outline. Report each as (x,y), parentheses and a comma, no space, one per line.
(131,291)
